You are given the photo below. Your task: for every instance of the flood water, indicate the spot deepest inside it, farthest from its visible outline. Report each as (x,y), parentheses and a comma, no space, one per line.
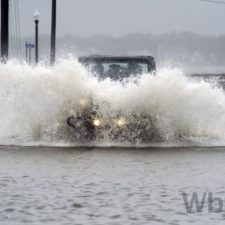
(67,184)
(43,185)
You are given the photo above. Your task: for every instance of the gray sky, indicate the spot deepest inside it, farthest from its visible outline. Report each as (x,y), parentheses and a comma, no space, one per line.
(120,17)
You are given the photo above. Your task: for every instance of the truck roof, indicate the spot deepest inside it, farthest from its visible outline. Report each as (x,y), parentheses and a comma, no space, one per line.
(149,60)
(107,58)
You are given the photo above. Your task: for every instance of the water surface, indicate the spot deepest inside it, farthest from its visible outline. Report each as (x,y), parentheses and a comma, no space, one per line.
(108,185)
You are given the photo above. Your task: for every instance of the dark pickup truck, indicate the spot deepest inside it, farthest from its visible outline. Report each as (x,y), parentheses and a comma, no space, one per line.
(88,123)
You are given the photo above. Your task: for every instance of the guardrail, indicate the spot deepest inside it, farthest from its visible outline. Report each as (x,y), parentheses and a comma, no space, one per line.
(218,78)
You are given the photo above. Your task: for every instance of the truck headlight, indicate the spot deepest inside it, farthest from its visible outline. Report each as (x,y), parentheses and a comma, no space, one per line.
(121,122)
(96,122)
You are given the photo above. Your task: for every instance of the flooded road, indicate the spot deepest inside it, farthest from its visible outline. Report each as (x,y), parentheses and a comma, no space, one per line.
(110,185)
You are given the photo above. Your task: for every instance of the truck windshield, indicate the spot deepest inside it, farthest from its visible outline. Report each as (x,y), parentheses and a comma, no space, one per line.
(117,70)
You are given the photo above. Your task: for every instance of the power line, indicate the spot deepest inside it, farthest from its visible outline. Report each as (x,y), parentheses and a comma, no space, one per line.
(18,26)
(15,38)
(13,29)
(212,1)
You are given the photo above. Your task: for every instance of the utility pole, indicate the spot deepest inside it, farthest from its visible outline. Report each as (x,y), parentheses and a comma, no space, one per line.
(53,33)
(4,30)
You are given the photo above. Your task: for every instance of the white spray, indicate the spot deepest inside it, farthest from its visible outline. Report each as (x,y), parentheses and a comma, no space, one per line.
(35,103)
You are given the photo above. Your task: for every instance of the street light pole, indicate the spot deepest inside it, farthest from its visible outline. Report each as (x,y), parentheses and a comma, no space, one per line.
(53,33)
(36,21)
(36,41)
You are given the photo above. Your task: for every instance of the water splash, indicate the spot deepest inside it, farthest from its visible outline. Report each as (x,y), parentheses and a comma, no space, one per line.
(35,103)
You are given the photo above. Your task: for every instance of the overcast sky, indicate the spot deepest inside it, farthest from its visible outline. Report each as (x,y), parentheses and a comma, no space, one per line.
(120,17)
